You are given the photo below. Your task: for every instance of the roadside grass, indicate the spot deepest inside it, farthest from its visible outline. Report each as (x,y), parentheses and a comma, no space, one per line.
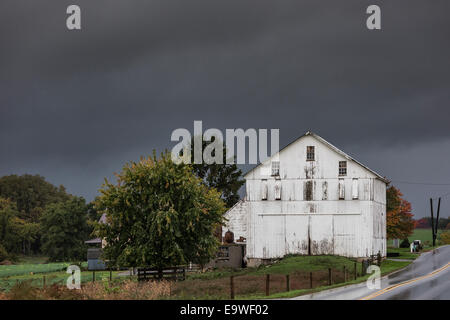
(387,266)
(287,265)
(404,253)
(250,282)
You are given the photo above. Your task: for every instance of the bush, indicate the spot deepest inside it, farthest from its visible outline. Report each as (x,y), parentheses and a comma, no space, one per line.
(405,243)
(444,237)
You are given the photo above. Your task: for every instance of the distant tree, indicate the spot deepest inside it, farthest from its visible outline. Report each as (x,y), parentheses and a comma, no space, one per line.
(422,223)
(3,253)
(9,237)
(399,222)
(92,212)
(225,178)
(31,193)
(159,214)
(16,234)
(443,222)
(64,230)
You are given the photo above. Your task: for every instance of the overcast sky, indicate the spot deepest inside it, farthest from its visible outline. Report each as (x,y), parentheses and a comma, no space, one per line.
(76,105)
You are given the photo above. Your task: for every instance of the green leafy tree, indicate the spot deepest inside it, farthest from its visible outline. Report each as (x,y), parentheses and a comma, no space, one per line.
(9,237)
(31,193)
(64,230)
(159,214)
(226,178)
(16,234)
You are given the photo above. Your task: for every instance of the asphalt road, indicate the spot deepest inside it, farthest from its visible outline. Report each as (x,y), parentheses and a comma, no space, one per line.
(427,278)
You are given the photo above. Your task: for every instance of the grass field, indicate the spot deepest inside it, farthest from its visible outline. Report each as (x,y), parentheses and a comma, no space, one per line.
(250,283)
(423,235)
(33,269)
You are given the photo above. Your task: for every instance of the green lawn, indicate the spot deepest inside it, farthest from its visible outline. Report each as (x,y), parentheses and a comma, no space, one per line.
(35,272)
(30,269)
(423,235)
(404,253)
(287,265)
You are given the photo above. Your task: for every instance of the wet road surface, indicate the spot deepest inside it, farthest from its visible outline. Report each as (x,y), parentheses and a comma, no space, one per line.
(428,277)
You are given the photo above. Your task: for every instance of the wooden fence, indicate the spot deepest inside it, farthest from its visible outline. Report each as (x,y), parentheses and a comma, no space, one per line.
(172,273)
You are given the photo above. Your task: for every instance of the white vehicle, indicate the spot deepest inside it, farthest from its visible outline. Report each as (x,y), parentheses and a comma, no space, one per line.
(416,245)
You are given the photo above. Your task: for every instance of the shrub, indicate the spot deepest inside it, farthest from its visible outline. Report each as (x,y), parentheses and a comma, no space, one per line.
(405,243)
(444,237)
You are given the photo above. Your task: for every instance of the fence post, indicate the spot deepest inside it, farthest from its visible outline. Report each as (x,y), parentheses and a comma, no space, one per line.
(355,271)
(288,284)
(267,284)
(110,275)
(43,282)
(232,287)
(93,276)
(329,276)
(310,280)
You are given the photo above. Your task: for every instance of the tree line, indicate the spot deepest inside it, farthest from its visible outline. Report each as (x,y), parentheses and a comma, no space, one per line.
(38,218)
(175,202)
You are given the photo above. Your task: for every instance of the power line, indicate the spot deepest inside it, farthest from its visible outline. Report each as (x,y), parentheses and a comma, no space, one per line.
(422,183)
(426,184)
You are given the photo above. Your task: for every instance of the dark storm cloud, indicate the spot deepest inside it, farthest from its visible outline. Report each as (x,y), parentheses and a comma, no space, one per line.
(75,105)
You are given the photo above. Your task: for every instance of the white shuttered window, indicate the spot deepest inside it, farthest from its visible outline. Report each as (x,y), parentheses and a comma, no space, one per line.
(355,194)
(341,189)
(264,189)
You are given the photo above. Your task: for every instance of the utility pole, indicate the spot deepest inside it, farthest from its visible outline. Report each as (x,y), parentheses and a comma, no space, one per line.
(437,220)
(432,219)
(434,226)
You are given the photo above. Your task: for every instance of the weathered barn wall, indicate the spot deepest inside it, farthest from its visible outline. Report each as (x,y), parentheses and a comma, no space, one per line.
(319,211)
(237,220)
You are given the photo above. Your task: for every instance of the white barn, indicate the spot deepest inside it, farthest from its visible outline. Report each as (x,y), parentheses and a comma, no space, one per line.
(311,198)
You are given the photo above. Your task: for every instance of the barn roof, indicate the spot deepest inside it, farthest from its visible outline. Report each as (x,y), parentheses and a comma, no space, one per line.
(332,147)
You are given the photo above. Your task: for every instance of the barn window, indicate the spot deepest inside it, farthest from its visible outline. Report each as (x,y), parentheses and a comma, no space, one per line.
(355,194)
(264,190)
(275,168)
(341,189)
(342,168)
(278,190)
(310,153)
